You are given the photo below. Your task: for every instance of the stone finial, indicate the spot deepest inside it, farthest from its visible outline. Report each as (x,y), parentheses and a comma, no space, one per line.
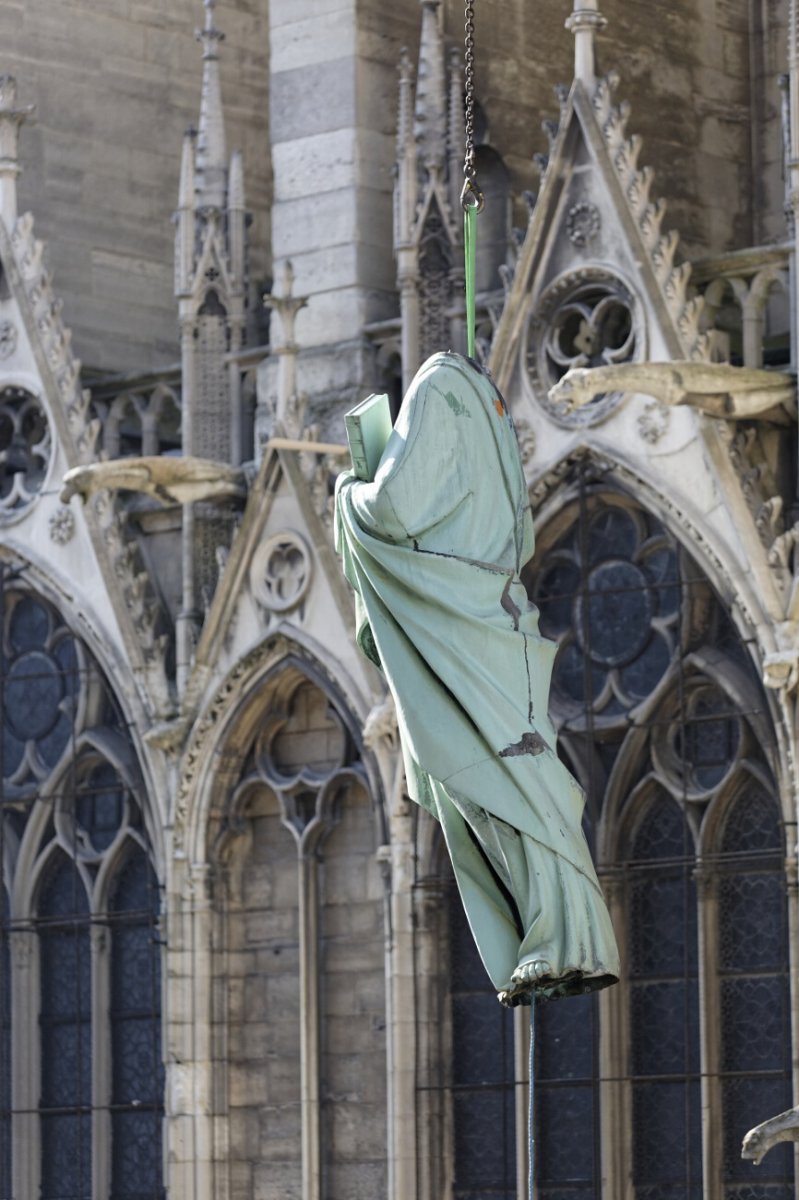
(431,90)
(11,117)
(585,22)
(211,153)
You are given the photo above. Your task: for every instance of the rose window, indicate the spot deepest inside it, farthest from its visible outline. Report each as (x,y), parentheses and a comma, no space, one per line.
(24,448)
(584,320)
(609,595)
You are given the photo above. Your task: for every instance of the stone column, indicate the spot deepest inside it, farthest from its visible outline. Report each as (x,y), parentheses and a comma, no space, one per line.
(332,153)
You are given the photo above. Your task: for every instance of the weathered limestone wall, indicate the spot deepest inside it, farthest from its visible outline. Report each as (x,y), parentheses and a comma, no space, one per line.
(115,85)
(685,71)
(333,118)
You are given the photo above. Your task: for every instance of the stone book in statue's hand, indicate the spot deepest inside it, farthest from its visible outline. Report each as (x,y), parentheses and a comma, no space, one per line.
(368,428)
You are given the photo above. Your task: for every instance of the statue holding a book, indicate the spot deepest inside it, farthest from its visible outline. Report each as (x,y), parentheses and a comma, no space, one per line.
(433,537)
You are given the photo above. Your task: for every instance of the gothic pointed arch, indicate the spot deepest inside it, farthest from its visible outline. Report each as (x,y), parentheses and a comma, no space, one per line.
(293,823)
(662,715)
(83,1072)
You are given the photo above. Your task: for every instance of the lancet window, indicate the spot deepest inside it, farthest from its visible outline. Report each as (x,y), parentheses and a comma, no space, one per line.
(81,1080)
(662,718)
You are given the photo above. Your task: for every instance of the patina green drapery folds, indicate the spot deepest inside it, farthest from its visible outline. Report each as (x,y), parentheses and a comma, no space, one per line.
(433,548)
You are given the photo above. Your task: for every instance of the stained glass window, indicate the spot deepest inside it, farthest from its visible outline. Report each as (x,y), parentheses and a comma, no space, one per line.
(664,1007)
(85,954)
(662,716)
(5,1050)
(135,1012)
(755,1001)
(66,1034)
(564,1085)
(482,1081)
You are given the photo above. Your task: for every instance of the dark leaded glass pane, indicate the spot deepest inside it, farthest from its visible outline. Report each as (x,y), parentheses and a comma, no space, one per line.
(137,1072)
(642,675)
(565,1039)
(63,895)
(65,1025)
(66,1157)
(136,1170)
(29,625)
(754,1015)
(67,1063)
(100,805)
(479,1021)
(667,1137)
(611,532)
(708,740)
(5,1051)
(752,921)
(666,1039)
(755,1006)
(663,833)
(752,824)
(565,1149)
(663,924)
(137,1077)
(483,1093)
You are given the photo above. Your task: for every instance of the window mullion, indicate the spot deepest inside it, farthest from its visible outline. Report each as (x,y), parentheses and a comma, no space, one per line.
(25,1062)
(710,1032)
(615,1098)
(101,1064)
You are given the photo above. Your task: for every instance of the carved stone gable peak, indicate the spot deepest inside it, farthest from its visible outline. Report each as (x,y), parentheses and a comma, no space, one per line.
(596,208)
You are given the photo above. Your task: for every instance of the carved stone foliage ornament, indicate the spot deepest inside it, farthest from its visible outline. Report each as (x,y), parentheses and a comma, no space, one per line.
(653,422)
(8,338)
(280,574)
(583,223)
(62,526)
(587,318)
(25,449)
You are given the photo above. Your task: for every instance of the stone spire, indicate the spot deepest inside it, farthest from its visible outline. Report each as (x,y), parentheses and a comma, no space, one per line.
(405,187)
(456,134)
(211,154)
(11,117)
(431,90)
(584,23)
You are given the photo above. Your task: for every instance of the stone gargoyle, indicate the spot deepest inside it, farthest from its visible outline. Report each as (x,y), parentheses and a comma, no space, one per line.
(761,1139)
(167,479)
(717,389)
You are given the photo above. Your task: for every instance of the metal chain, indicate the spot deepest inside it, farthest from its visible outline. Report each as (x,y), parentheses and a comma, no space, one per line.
(471,196)
(468,74)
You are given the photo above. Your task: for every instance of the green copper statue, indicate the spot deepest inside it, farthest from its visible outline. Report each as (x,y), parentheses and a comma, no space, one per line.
(433,548)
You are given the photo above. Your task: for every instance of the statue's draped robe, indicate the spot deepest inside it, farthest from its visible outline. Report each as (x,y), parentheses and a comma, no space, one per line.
(433,548)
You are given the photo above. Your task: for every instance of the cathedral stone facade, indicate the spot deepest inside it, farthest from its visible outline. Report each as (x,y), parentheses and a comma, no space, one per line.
(233,963)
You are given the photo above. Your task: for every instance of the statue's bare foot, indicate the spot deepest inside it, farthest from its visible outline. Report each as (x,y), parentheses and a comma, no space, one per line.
(524,981)
(530,974)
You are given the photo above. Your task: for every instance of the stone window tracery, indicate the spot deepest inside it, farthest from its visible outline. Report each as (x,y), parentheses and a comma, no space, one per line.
(662,717)
(25,449)
(80,930)
(587,318)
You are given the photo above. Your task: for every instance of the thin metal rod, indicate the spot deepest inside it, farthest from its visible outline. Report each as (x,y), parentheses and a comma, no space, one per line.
(531,1119)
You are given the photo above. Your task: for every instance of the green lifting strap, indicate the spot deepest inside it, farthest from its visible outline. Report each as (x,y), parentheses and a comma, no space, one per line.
(469,250)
